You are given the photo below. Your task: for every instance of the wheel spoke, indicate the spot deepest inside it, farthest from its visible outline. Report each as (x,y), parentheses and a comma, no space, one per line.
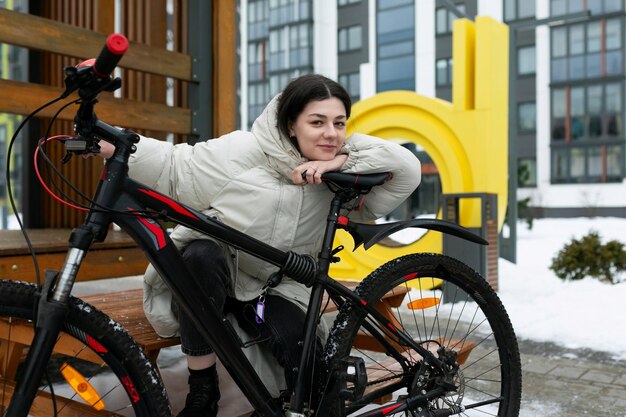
(73,356)
(448,316)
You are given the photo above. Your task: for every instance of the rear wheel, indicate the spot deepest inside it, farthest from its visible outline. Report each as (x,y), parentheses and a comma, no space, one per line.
(96,368)
(445,307)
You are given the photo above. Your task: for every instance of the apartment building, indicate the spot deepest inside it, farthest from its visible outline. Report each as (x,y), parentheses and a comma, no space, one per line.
(567,84)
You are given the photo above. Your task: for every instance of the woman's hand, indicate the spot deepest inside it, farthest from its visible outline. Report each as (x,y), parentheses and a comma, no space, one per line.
(106,149)
(311,172)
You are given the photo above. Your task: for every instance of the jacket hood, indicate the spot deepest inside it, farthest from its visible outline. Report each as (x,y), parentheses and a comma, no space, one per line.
(282,155)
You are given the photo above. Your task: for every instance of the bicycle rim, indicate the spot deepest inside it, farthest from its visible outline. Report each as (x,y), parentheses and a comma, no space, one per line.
(96,368)
(439,303)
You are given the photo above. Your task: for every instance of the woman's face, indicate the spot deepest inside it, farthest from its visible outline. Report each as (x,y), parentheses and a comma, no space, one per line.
(320,129)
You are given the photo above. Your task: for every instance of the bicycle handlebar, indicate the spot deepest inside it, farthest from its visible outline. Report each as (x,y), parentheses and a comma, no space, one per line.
(90,78)
(113,50)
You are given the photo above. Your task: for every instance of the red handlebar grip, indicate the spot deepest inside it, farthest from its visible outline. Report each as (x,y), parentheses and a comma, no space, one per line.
(117,44)
(115,47)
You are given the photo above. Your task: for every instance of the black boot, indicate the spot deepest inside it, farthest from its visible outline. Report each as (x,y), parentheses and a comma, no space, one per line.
(204,393)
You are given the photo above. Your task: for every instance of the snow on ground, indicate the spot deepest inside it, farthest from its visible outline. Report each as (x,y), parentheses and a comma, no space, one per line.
(575,314)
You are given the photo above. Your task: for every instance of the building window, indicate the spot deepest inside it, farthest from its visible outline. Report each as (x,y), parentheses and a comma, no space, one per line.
(395,39)
(258,97)
(559,7)
(588,133)
(527,117)
(350,38)
(443,72)
(352,83)
(596,7)
(290,47)
(518,9)
(282,12)
(258,22)
(526,60)
(444,19)
(587,50)
(257,61)
(527,172)
(347,2)
(587,112)
(300,45)
(588,164)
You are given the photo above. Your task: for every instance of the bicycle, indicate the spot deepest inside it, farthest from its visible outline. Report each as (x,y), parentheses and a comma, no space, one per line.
(447,348)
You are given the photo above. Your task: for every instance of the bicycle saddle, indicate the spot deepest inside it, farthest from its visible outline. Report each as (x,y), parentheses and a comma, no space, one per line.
(356,181)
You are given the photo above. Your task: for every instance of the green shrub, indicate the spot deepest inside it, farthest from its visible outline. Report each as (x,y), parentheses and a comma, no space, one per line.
(589,257)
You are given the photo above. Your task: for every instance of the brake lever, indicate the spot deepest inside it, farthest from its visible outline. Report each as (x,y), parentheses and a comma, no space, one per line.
(67,157)
(89,85)
(79,146)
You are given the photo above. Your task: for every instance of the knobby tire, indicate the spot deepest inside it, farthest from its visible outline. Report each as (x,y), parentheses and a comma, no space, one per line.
(116,367)
(467,318)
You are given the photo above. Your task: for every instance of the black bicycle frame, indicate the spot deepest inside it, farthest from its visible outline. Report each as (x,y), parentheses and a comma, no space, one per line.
(137,208)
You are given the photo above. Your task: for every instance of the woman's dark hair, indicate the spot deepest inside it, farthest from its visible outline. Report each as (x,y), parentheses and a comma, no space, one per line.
(302,90)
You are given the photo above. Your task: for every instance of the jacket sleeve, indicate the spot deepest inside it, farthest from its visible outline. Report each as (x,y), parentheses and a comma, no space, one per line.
(367,155)
(193,175)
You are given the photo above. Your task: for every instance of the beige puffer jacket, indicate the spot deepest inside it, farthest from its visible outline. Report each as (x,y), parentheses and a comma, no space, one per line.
(244,179)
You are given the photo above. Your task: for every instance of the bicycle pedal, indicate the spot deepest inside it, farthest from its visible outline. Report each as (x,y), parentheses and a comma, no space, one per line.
(353,377)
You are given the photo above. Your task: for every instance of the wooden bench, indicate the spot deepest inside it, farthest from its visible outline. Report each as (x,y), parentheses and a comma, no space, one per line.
(126,307)
(117,256)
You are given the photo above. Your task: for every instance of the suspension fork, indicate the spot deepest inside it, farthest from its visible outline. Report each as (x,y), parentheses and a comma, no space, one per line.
(52,309)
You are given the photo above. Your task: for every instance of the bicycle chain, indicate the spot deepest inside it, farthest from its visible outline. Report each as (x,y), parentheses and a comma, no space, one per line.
(380,381)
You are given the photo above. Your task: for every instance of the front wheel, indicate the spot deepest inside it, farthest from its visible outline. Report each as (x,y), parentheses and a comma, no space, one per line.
(445,307)
(96,368)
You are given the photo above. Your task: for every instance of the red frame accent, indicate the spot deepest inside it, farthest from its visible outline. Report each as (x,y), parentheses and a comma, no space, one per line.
(173,204)
(343,220)
(155,229)
(389,409)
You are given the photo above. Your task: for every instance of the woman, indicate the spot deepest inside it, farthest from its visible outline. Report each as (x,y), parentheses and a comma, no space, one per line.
(265,183)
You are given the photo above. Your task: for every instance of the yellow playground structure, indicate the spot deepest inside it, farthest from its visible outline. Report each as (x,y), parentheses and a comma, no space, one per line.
(466,139)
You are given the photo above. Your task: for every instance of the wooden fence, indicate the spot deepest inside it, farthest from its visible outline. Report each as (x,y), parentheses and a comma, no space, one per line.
(64,32)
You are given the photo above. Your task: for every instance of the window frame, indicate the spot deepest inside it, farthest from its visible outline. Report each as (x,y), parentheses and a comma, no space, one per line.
(520,129)
(585,6)
(388,39)
(448,72)
(563,58)
(349,47)
(516,15)
(347,80)
(532,172)
(589,146)
(533,72)
(449,19)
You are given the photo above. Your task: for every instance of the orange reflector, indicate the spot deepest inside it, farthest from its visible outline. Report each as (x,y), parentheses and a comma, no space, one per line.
(82,387)
(423,303)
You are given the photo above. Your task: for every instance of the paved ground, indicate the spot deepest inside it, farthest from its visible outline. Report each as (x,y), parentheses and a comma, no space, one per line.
(572,383)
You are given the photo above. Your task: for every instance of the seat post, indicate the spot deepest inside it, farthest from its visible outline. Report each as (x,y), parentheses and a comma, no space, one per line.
(302,386)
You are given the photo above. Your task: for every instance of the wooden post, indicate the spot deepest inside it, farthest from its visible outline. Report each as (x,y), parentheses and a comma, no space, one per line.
(224,67)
